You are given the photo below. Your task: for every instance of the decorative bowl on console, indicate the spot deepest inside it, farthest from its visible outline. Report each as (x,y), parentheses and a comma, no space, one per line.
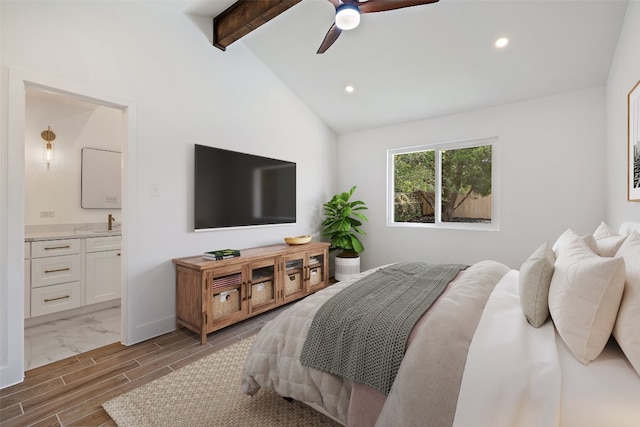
(297,240)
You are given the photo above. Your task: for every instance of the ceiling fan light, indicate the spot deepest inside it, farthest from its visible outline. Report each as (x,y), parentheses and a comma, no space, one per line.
(347,16)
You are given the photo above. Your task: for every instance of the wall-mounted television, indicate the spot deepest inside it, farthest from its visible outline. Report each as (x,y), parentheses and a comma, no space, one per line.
(234,189)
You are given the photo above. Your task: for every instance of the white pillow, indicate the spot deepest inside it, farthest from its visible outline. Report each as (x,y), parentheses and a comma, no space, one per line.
(607,240)
(628,227)
(566,237)
(608,246)
(627,327)
(584,296)
(604,230)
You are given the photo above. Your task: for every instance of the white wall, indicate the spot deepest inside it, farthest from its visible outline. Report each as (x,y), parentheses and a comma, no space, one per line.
(551,174)
(57,187)
(185,91)
(623,75)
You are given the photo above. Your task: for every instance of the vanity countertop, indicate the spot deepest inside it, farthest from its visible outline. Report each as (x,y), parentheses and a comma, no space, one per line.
(68,234)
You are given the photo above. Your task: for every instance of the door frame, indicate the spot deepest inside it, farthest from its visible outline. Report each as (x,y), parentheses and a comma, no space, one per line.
(12,225)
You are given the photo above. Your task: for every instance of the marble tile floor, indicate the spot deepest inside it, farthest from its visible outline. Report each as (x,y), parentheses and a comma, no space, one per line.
(57,340)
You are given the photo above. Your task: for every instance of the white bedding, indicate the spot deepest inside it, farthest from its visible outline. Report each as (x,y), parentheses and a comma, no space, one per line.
(517,375)
(604,393)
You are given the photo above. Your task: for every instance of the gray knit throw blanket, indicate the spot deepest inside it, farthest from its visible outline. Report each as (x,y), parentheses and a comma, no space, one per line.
(361,333)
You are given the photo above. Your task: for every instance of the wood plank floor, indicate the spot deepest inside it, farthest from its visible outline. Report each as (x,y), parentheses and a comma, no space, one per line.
(71,392)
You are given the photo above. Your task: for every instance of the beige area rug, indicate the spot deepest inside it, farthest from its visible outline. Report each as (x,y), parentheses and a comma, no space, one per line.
(207,393)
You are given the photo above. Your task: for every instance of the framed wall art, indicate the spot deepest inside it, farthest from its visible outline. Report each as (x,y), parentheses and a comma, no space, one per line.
(633,166)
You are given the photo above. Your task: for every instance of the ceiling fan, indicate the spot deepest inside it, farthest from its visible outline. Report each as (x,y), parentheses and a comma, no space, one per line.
(348,14)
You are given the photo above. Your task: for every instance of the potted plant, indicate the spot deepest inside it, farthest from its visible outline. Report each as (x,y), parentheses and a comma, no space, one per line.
(341,225)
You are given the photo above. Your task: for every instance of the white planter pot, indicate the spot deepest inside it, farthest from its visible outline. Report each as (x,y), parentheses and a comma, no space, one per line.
(346,267)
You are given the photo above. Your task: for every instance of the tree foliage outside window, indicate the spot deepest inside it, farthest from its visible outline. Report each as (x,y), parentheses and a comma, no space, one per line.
(414,178)
(445,178)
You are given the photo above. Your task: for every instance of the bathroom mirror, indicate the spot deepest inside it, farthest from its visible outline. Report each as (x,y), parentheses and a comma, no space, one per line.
(101,179)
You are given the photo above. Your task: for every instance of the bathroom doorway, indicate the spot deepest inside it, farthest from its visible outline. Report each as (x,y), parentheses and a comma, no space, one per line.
(12,249)
(77,309)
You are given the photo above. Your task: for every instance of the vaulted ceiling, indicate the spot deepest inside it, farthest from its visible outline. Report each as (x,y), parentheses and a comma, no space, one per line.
(432,60)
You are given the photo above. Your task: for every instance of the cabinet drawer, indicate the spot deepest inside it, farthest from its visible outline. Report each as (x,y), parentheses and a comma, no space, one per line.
(55,270)
(27,250)
(45,248)
(107,243)
(51,299)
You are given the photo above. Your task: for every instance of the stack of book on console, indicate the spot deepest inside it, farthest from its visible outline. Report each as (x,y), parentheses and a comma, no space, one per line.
(222,254)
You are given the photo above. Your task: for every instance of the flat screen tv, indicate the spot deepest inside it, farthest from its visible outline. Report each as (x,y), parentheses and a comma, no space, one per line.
(235,189)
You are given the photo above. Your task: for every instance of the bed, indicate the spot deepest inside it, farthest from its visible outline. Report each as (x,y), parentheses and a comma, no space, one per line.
(555,343)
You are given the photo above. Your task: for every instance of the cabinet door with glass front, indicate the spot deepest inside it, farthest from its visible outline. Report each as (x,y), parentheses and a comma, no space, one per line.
(226,295)
(262,285)
(293,277)
(317,270)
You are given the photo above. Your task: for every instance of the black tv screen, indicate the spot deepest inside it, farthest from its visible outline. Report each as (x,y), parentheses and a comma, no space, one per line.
(235,189)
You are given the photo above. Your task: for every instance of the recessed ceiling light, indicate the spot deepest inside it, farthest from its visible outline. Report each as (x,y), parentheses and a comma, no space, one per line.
(349,88)
(502,42)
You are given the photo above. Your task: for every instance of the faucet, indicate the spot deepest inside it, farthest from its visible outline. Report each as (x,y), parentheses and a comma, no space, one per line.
(110,219)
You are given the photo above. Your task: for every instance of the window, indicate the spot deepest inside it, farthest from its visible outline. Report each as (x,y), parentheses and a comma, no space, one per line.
(450,185)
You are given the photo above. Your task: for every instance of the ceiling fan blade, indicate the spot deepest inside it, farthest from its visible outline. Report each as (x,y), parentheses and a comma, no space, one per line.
(332,36)
(383,5)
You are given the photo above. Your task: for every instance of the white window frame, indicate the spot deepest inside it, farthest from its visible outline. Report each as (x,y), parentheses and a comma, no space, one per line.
(438,148)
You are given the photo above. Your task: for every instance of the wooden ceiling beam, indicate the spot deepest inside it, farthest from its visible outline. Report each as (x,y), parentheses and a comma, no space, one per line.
(244,16)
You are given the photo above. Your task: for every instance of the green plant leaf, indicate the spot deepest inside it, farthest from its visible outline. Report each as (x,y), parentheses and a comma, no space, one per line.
(343,220)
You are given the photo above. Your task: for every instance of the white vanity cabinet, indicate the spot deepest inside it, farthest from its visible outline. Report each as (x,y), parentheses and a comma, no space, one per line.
(56,272)
(103,261)
(69,273)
